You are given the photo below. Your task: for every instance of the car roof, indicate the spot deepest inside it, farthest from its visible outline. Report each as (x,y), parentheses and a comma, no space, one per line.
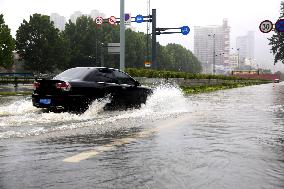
(96,68)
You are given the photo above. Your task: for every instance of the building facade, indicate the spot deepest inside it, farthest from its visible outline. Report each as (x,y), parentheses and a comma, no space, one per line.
(212,46)
(234,61)
(59,21)
(245,44)
(95,13)
(75,15)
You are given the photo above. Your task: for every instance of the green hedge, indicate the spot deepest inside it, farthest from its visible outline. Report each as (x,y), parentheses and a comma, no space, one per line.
(134,72)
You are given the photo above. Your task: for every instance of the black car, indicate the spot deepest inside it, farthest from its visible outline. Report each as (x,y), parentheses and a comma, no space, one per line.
(75,88)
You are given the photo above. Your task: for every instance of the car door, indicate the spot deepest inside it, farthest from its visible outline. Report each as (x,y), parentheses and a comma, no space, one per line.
(103,83)
(129,92)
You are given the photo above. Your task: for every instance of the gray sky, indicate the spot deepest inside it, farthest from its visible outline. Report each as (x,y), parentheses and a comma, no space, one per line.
(242,15)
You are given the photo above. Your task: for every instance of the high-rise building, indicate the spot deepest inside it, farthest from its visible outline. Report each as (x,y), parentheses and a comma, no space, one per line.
(234,61)
(95,13)
(245,44)
(59,21)
(75,15)
(210,39)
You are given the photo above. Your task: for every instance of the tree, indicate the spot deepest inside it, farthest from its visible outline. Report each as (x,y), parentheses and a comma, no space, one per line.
(7,45)
(39,43)
(87,44)
(177,58)
(135,48)
(277,41)
(82,40)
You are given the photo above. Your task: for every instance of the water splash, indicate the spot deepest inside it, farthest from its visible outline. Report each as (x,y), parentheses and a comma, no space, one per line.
(167,99)
(21,119)
(22,106)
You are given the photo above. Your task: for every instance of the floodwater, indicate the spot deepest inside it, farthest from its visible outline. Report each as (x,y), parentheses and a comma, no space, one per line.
(225,139)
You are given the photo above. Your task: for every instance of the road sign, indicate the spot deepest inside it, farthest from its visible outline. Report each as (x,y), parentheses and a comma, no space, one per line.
(266,26)
(279,25)
(113,48)
(139,18)
(184,30)
(112,20)
(99,20)
(147,64)
(127,19)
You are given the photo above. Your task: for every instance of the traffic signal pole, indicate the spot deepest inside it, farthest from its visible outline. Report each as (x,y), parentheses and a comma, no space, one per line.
(154,39)
(122,36)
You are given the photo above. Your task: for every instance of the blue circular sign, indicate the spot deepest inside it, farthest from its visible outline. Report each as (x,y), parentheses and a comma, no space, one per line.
(185,30)
(279,25)
(139,18)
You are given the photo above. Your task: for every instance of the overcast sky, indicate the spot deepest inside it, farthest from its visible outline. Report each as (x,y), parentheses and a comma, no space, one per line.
(242,15)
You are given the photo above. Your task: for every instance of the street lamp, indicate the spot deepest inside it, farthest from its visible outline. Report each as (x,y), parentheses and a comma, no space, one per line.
(214,51)
(221,58)
(238,49)
(102,54)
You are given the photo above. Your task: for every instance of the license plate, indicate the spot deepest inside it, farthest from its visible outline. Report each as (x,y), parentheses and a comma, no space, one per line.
(44,101)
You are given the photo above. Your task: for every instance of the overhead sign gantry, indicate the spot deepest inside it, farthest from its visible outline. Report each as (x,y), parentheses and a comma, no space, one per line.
(184,30)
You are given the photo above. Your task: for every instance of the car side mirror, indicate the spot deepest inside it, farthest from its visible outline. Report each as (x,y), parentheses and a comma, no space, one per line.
(136,83)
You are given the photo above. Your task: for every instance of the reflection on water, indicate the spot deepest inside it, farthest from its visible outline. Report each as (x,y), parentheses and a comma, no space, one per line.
(226,139)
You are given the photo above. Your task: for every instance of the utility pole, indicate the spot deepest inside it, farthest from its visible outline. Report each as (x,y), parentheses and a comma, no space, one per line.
(102,55)
(122,36)
(214,54)
(154,38)
(238,49)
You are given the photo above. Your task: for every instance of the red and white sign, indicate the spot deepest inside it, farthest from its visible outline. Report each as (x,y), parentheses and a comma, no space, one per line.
(99,20)
(112,20)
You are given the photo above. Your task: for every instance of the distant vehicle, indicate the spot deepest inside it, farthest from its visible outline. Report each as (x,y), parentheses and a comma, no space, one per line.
(75,88)
(276,80)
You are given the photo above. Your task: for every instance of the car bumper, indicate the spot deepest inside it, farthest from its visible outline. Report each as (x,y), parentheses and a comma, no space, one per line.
(56,101)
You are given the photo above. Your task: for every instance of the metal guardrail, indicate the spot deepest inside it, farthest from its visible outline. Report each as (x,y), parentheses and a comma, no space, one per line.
(16,78)
(11,74)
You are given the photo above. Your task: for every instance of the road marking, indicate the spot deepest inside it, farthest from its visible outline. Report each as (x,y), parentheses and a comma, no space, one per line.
(82,156)
(118,142)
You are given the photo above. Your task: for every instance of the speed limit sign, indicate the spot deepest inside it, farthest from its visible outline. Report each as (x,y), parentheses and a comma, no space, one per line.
(99,20)
(266,26)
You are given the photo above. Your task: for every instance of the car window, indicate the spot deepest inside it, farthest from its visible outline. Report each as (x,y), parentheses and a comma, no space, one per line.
(101,75)
(72,74)
(123,78)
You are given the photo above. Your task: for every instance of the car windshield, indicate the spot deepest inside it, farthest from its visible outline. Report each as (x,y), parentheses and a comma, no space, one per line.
(72,74)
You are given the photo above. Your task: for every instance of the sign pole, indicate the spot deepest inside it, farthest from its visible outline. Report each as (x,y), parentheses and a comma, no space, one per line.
(154,39)
(122,36)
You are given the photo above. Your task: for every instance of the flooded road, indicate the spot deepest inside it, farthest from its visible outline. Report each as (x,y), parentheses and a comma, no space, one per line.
(226,139)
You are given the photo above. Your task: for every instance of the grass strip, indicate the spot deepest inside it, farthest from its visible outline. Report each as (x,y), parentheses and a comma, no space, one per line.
(211,88)
(15,93)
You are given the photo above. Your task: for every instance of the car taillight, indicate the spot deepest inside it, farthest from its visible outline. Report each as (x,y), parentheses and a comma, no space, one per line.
(65,86)
(36,85)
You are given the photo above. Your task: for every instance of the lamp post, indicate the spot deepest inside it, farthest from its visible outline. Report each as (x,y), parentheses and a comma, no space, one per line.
(102,54)
(221,58)
(214,51)
(238,49)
